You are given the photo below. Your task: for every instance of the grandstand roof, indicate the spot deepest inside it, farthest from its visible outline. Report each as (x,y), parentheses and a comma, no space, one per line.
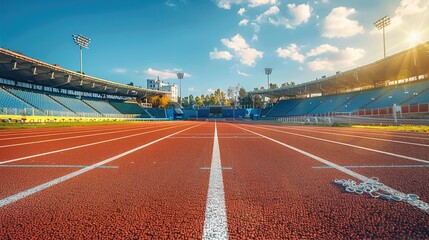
(413,62)
(18,67)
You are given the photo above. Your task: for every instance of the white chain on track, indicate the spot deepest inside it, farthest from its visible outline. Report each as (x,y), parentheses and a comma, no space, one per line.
(372,187)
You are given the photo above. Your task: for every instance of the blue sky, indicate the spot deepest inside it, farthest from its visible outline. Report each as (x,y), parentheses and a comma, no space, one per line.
(216,43)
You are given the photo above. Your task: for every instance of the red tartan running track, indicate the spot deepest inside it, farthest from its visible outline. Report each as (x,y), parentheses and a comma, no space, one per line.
(211,180)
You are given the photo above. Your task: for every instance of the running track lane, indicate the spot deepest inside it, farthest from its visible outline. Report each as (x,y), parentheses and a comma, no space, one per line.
(33,146)
(18,179)
(157,192)
(410,147)
(409,180)
(273,192)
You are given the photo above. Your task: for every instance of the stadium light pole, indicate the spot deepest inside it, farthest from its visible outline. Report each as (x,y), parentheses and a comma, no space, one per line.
(382,23)
(180,77)
(268,71)
(81,41)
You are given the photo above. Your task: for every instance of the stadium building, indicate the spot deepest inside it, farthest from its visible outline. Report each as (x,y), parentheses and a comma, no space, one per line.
(167,87)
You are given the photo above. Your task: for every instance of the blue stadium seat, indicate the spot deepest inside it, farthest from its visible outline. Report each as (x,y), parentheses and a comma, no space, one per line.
(103,107)
(398,94)
(9,104)
(76,105)
(131,108)
(43,102)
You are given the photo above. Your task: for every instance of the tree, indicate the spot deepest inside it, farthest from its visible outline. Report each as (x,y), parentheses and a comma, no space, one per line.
(242,93)
(199,101)
(213,100)
(185,102)
(206,100)
(273,86)
(191,100)
(154,100)
(287,84)
(164,101)
(257,98)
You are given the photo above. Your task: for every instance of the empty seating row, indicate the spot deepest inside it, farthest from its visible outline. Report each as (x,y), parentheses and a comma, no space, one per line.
(398,94)
(76,105)
(157,112)
(410,93)
(10,104)
(131,108)
(43,102)
(103,107)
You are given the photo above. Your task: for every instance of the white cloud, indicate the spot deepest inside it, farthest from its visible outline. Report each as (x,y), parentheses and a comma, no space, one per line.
(322,49)
(257,3)
(220,55)
(165,74)
(243,74)
(254,38)
(243,22)
(248,56)
(338,24)
(226,4)
(210,90)
(321,65)
(241,11)
(192,89)
(349,56)
(292,52)
(343,59)
(243,51)
(169,3)
(273,10)
(119,70)
(256,27)
(408,8)
(236,43)
(301,13)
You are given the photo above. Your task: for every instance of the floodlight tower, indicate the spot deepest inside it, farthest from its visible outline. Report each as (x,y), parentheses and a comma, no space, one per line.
(268,71)
(81,41)
(180,77)
(381,24)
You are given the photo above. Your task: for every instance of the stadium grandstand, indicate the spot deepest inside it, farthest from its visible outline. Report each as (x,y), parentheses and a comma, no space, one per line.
(43,91)
(397,84)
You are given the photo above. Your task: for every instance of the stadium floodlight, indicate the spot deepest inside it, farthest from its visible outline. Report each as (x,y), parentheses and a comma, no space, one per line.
(180,77)
(268,71)
(382,23)
(81,41)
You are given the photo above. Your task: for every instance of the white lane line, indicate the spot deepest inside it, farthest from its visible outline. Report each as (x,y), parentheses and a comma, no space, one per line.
(350,145)
(376,166)
(215,222)
(370,138)
(196,137)
(416,203)
(28,192)
(66,138)
(60,133)
(380,133)
(81,146)
(49,166)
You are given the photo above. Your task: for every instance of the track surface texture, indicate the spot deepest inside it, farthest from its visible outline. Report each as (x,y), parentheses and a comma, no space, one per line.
(212,180)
